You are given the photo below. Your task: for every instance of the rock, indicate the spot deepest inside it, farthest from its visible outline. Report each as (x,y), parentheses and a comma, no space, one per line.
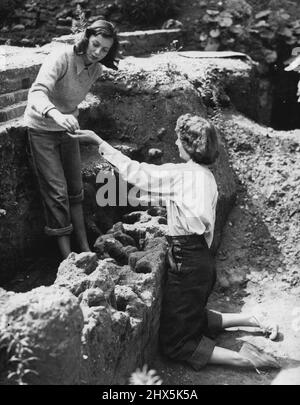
(50,322)
(134,258)
(99,245)
(172,24)
(157,211)
(161,133)
(27,42)
(155,153)
(18,27)
(119,313)
(87,262)
(117,245)
(130,249)
(118,227)
(129,150)
(128,301)
(115,249)
(155,244)
(146,227)
(143,261)
(124,238)
(75,274)
(93,297)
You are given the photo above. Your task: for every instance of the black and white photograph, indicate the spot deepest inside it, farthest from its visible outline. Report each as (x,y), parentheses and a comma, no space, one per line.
(149,195)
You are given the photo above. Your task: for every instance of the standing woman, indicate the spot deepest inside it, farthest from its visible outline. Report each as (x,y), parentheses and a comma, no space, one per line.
(62,83)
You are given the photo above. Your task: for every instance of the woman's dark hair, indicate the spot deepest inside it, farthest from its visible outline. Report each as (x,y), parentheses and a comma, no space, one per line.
(107,30)
(199,138)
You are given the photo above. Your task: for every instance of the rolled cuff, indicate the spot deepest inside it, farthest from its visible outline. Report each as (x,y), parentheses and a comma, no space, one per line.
(202,354)
(47,109)
(59,232)
(214,322)
(75,199)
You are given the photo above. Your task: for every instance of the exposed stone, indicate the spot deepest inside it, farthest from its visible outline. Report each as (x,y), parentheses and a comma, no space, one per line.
(131,150)
(124,238)
(120,310)
(50,321)
(171,24)
(82,271)
(145,227)
(161,133)
(93,297)
(155,153)
(115,249)
(117,245)
(27,42)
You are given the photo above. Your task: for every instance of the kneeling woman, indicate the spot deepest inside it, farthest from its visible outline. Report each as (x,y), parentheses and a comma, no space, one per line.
(190,194)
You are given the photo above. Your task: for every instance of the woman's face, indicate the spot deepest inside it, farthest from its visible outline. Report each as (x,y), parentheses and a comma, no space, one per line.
(98,48)
(182,152)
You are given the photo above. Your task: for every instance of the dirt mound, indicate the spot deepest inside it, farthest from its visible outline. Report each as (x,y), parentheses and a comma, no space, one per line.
(263,229)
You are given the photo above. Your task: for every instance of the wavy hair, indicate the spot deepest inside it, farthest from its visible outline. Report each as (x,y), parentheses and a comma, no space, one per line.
(107,30)
(199,138)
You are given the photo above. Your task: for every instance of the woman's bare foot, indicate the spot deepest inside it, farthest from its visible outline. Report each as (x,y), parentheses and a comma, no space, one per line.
(269,328)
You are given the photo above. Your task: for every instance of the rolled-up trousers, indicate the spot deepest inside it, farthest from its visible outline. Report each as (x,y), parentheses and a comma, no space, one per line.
(55,157)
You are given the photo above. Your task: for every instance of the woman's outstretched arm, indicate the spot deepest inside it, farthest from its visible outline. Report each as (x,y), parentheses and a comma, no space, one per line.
(159,180)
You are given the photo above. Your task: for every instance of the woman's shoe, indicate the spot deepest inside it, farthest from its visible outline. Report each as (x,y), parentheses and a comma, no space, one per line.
(258,358)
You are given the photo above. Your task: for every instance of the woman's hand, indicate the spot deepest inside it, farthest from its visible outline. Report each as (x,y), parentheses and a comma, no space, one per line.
(86,135)
(66,121)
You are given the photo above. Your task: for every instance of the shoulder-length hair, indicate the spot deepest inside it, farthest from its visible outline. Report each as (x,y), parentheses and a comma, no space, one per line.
(199,138)
(107,30)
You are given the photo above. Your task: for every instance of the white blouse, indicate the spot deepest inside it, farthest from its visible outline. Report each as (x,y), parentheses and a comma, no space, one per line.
(188,190)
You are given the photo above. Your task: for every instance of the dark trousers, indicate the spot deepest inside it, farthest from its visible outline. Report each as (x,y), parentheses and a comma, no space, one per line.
(186,324)
(55,157)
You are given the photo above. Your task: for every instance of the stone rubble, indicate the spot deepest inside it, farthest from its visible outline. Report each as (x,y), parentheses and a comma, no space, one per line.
(95,325)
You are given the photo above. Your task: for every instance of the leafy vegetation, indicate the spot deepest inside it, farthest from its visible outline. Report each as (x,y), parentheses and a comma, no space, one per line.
(79,23)
(20,357)
(148,12)
(233,25)
(7,8)
(145,377)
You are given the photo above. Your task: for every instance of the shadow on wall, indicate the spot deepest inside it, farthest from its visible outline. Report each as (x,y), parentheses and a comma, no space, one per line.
(286,108)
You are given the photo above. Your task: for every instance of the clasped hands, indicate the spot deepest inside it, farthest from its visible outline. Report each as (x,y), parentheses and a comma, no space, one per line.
(71,125)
